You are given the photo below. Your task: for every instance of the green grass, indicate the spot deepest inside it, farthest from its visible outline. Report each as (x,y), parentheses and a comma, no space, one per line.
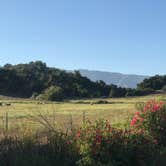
(118,112)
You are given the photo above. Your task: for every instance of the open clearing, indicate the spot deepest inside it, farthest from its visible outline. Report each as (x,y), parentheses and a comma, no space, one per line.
(118,111)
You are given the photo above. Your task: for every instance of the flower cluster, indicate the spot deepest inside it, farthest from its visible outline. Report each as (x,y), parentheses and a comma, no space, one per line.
(136,119)
(95,135)
(153,106)
(152,120)
(99,142)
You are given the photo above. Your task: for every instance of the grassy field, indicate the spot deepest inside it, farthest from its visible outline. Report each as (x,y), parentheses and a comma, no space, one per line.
(23,113)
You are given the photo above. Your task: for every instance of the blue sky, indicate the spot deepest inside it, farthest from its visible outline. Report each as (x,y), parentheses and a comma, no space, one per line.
(127,36)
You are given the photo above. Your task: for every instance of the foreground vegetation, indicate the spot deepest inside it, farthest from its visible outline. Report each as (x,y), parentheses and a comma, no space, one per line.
(140,143)
(52,133)
(93,144)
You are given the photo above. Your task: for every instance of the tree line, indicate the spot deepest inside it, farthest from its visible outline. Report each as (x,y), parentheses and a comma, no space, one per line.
(156,82)
(37,80)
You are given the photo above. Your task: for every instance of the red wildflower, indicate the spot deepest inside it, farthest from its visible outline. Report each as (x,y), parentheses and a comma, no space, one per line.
(98,139)
(78,134)
(153,106)
(134,121)
(137,113)
(68,142)
(136,118)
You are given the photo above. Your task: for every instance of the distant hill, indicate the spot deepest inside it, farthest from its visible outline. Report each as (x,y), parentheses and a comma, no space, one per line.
(123,80)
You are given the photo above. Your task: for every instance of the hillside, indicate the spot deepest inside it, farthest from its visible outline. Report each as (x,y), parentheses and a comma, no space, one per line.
(122,80)
(35,78)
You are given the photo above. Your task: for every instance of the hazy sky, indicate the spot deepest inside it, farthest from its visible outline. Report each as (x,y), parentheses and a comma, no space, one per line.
(127,36)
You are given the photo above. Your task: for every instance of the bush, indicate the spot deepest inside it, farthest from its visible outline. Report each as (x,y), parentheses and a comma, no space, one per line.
(34,95)
(152,120)
(100,102)
(100,144)
(53,93)
(94,144)
(26,151)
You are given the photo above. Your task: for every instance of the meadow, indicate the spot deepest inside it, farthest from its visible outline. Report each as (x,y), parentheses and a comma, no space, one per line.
(59,133)
(23,113)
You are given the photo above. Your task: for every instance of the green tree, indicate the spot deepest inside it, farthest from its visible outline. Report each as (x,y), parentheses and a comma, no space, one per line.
(53,93)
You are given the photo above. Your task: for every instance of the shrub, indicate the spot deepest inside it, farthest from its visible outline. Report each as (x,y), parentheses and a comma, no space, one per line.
(100,144)
(94,144)
(53,93)
(100,102)
(34,95)
(26,151)
(152,120)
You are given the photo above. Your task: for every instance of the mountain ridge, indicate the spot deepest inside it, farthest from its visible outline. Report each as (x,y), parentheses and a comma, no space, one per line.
(119,79)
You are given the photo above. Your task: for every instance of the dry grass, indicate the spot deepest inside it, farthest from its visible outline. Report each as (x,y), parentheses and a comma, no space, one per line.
(118,112)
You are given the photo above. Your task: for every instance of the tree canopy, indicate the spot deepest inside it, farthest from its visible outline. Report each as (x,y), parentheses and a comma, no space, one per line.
(35,78)
(156,83)
(23,80)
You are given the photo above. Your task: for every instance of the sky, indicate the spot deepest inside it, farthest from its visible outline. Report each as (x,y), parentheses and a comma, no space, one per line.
(127,36)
